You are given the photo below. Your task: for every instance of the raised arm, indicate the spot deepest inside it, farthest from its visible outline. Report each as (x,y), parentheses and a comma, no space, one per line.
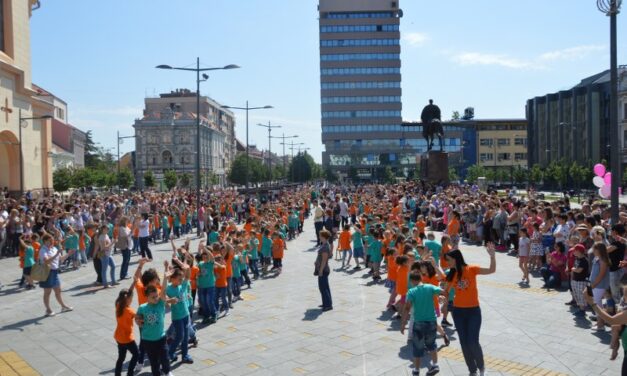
(491,251)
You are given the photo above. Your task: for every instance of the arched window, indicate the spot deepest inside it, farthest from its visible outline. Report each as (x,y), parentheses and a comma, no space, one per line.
(166,156)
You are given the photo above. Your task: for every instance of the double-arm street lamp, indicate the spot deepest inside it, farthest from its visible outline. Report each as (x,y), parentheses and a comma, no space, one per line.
(284,137)
(247,108)
(292,145)
(205,77)
(44,117)
(269,127)
(611,8)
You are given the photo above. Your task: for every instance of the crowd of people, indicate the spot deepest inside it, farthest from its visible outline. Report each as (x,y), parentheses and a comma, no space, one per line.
(408,237)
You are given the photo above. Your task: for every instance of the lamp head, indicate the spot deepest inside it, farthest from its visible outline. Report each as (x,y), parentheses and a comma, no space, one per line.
(268,106)
(163,66)
(205,76)
(231,66)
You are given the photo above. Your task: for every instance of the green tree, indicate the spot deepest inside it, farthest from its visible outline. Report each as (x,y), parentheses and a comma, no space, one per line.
(578,173)
(125,178)
(237,173)
(455,115)
(388,176)
(170,179)
(149,179)
(520,174)
(62,179)
(300,170)
(474,172)
(185,179)
(452,174)
(536,174)
(557,173)
(83,177)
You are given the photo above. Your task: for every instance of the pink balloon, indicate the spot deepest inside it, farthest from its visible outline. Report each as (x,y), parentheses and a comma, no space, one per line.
(608,178)
(606,191)
(599,169)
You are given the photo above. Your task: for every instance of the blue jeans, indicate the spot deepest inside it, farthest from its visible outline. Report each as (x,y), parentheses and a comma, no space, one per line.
(107,262)
(551,279)
(325,291)
(221,293)
(126,259)
(236,285)
(468,324)
(424,333)
(166,234)
(157,352)
(135,245)
(254,267)
(207,300)
(181,337)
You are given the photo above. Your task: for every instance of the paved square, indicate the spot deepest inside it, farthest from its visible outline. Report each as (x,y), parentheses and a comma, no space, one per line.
(278,329)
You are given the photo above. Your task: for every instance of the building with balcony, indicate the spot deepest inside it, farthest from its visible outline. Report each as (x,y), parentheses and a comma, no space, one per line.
(501,142)
(573,124)
(166,137)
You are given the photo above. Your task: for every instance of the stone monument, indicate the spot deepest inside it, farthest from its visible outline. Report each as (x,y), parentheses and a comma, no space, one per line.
(433,166)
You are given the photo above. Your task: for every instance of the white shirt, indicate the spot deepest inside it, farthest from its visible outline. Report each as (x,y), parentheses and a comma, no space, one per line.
(318,214)
(46,252)
(144,225)
(343,209)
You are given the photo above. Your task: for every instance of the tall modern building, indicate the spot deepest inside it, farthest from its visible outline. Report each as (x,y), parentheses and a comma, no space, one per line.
(360,81)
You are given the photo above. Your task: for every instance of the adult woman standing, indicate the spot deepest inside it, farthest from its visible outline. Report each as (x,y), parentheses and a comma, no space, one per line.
(51,256)
(467,313)
(106,258)
(322,270)
(123,243)
(144,233)
(599,277)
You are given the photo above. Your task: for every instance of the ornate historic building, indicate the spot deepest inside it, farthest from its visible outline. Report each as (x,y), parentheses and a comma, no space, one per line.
(166,137)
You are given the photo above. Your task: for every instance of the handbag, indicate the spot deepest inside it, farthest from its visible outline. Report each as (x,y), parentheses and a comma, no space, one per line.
(40,272)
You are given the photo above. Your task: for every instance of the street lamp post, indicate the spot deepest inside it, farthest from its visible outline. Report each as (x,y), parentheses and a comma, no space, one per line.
(292,144)
(247,109)
(20,119)
(198,69)
(284,137)
(269,127)
(611,8)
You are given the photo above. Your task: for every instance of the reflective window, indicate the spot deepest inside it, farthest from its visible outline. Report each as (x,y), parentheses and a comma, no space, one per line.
(349,57)
(358,42)
(486,157)
(338,16)
(357,114)
(373,99)
(357,28)
(360,85)
(354,71)
(485,142)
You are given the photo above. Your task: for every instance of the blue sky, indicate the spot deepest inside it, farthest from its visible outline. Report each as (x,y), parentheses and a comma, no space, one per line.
(99,56)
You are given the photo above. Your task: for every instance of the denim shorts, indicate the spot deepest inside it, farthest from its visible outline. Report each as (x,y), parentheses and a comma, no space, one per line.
(424,333)
(358,252)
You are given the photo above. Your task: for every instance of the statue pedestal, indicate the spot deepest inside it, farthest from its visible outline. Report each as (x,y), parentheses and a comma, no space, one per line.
(434,167)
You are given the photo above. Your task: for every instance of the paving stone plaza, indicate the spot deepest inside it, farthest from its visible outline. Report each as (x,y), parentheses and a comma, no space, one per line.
(278,328)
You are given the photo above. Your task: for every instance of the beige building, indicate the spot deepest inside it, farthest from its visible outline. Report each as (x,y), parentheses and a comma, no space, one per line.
(18,99)
(501,142)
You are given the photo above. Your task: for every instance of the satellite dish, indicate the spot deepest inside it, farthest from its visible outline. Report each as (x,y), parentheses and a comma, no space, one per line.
(400,13)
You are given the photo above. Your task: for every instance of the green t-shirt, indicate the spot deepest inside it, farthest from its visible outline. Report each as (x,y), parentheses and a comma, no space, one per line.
(177,221)
(253,246)
(164,222)
(421,299)
(435,248)
(357,240)
(179,310)
(71,242)
(236,266)
(29,257)
(374,250)
(213,237)
(266,247)
(153,328)
(206,278)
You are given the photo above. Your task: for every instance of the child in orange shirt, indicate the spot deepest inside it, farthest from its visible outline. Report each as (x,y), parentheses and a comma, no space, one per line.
(277,252)
(344,246)
(402,279)
(124,336)
(390,282)
(421,225)
(219,270)
(446,247)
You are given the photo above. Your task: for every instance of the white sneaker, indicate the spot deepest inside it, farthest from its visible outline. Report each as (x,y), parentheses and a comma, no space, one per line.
(139,367)
(482,372)
(170,374)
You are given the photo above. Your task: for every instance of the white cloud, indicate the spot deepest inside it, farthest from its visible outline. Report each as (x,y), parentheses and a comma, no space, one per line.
(476,58)
(537,62)
(415,39)
(573,53)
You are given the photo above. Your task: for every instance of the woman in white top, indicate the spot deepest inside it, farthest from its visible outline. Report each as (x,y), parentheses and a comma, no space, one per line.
(105,251)
(51,256)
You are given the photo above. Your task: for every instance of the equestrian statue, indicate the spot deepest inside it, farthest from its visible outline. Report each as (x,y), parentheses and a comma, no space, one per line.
(432,124)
